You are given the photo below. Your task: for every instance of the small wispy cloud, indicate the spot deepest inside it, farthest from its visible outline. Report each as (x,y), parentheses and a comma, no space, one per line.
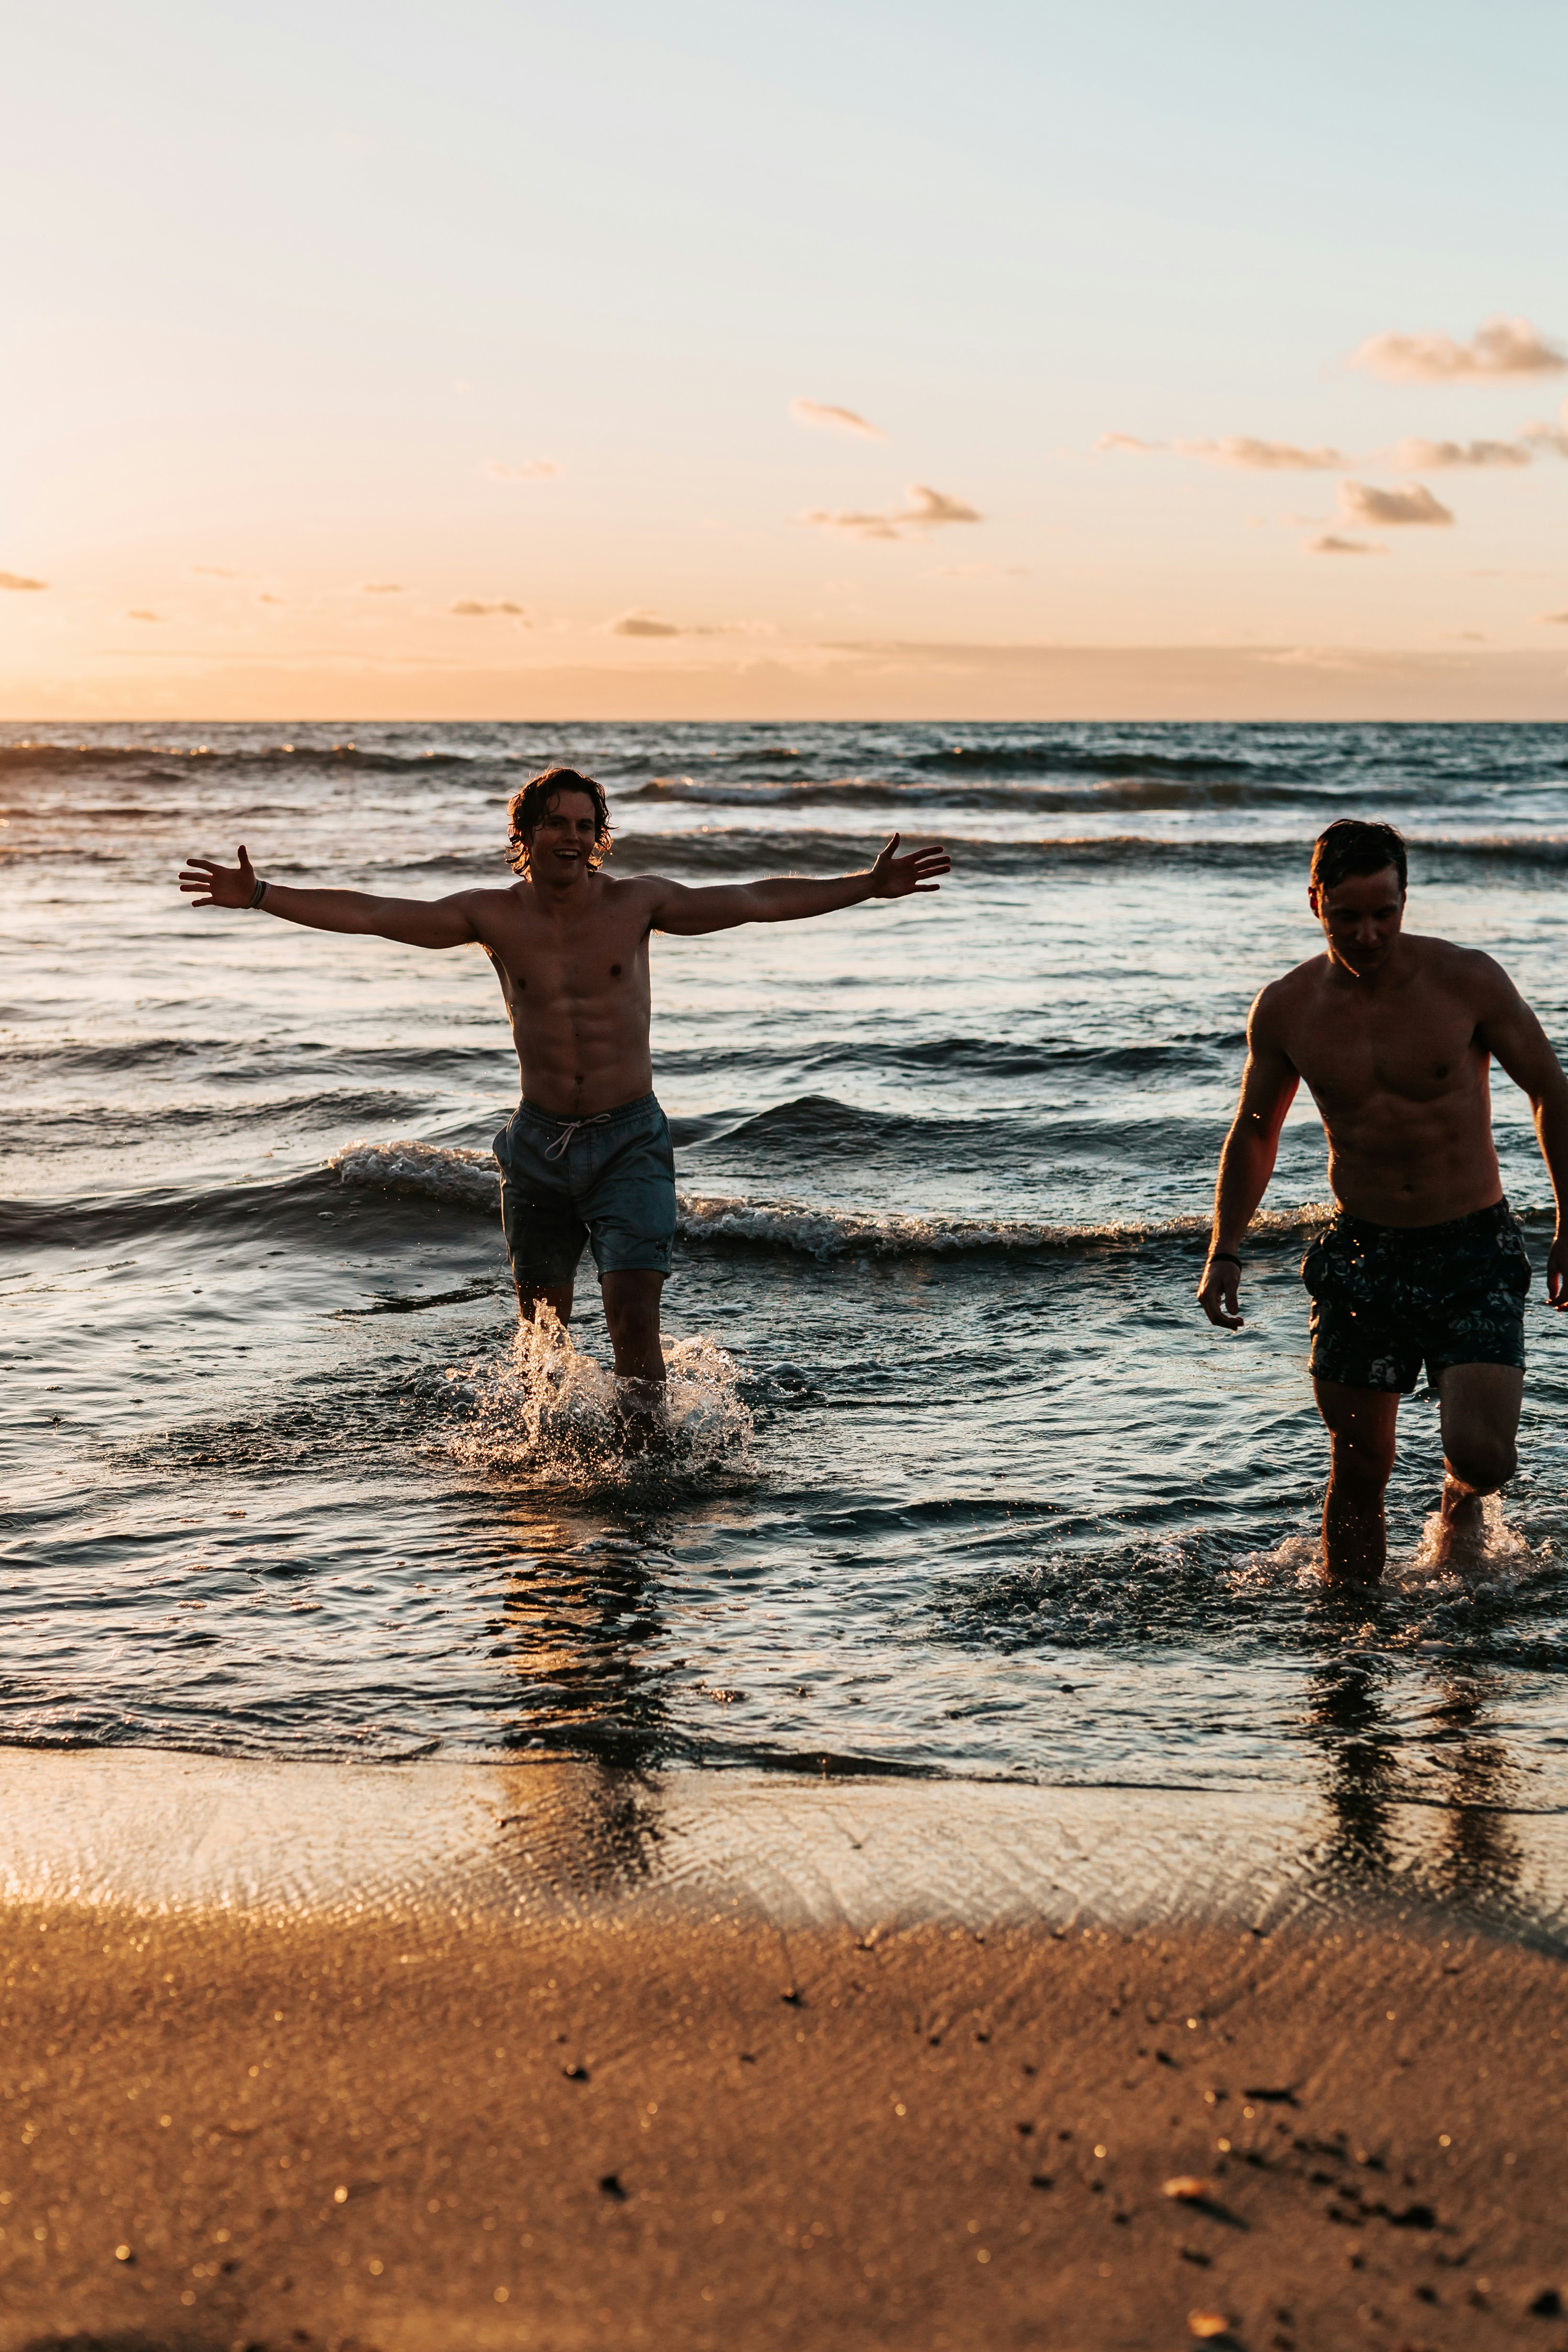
(1263,456)
(383,588)
(644,625)
(926,510)
(1549,437)
(1417,456)
(1559,618)
(470,609)
(1124,444)
(20,583)
(821,416)
(1501,349)
(264,598)
(140,616)
(532,469)
(648,625)
(1362,502)
(1329,543)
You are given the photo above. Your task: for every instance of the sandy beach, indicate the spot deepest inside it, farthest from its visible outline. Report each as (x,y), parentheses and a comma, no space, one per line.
(551,2055)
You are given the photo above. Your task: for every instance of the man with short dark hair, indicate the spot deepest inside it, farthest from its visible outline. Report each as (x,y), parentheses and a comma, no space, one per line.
(586,1155)
(1394,1035)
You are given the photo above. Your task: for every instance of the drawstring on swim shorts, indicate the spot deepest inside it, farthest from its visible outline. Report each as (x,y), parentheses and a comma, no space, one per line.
(556,1151)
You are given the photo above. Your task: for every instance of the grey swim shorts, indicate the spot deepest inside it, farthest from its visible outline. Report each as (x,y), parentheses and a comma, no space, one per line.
(609,1181)
(1386,1296)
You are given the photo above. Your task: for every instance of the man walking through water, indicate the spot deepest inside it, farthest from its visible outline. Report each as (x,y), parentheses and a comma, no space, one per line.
(586,1155)
(1394,1036)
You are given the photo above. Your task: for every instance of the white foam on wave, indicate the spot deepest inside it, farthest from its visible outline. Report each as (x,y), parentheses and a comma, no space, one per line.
(440,1172)
(549,1410)
(449,1172)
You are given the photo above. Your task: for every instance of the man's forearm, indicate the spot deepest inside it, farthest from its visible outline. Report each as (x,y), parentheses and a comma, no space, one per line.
(792,896)
(1551,1114)
(1246,1165)
(323,910)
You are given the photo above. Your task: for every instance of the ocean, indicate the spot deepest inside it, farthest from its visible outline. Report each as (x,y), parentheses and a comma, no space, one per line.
(965,1484)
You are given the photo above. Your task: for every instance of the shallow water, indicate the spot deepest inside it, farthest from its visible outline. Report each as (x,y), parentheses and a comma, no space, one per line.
(964,1484)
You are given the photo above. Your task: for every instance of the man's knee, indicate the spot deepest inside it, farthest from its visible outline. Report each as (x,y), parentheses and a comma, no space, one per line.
(1484,1463)
(1362,1462)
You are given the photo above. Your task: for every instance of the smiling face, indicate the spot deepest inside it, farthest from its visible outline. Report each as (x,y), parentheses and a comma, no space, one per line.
(562,838)
(1361,917)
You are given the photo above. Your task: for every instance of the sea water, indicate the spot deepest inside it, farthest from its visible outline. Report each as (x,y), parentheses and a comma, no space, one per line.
(961,1481)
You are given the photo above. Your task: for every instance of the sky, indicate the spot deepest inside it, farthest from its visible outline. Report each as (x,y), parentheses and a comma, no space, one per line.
(502,360)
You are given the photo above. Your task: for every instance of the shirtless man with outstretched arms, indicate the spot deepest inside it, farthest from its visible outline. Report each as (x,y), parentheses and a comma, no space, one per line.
(1394,1035)
(586,1155)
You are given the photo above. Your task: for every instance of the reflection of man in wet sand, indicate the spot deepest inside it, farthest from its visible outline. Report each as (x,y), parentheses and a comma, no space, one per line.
(587,1156)
(1394,1036)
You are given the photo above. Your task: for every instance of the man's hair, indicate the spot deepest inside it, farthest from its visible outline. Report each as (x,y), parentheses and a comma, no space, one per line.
(525,809)
(1350,845)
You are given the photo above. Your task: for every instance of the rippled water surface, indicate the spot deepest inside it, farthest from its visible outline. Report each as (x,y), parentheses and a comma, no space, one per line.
(962,1482)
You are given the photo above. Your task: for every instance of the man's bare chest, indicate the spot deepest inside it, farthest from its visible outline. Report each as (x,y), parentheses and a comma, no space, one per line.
(542,963)
(1413,1052)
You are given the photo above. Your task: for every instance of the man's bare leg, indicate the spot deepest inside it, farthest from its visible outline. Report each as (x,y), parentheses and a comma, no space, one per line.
(1360,1425)
(559,1297)
(1479,1406)
(631,1316)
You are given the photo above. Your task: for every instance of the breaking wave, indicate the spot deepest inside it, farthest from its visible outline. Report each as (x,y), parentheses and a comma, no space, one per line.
(468,1179)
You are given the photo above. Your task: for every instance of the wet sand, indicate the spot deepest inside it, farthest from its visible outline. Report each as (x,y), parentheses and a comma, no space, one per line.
(444,2056)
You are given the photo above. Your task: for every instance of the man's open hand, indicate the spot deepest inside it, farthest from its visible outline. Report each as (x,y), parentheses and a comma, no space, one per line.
(225,886)
(895,878)
(1220,1294)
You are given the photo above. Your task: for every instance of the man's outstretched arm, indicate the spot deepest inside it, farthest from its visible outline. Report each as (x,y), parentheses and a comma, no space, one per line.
(1268,1087)
(1510,1032)
(688,912)
(417,922)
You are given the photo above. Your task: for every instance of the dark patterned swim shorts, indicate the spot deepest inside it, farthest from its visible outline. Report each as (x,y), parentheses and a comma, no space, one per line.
(1386,1296)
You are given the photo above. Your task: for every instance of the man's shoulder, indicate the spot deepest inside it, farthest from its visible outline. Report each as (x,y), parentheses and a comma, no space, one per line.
(1291,992)
(1470,971)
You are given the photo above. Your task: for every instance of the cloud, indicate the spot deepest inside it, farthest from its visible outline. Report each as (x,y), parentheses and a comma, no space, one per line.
(1417,456)
(1560,617)
(1549,437)
(643,625)
(926,510)
(1500,348)
(472,611)
(383,588)
(1263,456)
(270,600)
(532,469)
(1328,543)
(144,617)
(821,416)
(1124,444)
(647,624)
(19,581)
(1360,502)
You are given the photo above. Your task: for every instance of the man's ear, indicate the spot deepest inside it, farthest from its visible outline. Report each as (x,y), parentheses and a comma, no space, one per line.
(1313,896)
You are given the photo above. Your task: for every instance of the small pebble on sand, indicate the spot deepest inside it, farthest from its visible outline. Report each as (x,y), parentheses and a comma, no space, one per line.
(1188,2185)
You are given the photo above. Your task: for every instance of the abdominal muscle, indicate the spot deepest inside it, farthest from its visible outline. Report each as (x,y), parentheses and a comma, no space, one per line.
(580,1053)
(1396,1163)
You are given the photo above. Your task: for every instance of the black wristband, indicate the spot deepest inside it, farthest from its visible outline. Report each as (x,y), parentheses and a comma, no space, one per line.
(256,895)
(1229,1255)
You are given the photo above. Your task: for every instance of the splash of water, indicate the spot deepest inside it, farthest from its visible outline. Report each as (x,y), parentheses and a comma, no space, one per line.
(560,1415)
(1501,1552)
